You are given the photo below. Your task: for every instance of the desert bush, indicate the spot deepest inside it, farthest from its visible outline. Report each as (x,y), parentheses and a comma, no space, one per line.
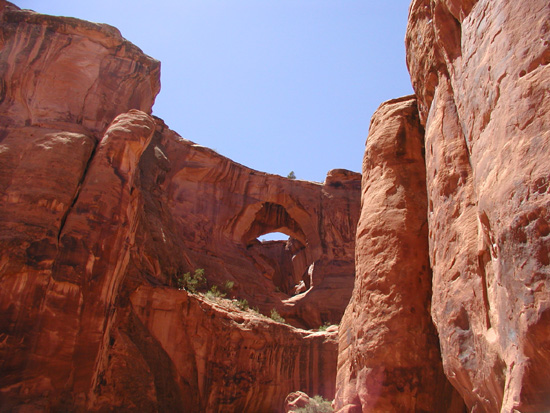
(228,286)
(242,303)
(215,292)
(220,292)
(324,326)
(192,283)
(275,316)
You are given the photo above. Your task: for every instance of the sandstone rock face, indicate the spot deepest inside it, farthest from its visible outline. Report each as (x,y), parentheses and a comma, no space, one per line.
(234,361)
(69,74)
(103,208)
(308,279)
(389,352)
(480,71)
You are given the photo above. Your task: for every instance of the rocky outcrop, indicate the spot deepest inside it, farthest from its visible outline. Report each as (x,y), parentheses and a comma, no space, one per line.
(480,71)
(103,208)
(389,352)
(481,77)
(68,74)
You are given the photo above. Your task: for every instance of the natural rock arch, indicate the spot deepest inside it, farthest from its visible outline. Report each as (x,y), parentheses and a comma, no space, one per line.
(286,263)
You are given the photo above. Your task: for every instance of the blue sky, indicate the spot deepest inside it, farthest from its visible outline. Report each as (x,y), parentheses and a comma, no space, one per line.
(279,86)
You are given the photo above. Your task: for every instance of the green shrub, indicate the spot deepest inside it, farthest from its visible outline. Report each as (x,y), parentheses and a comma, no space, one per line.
(324,326)
(275,316)
(215,292)
(243,304)
(228,286)
(317,404)
(192,283)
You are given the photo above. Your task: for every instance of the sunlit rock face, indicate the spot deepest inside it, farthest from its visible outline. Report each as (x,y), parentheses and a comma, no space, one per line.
(389,357)
(481,77)
(69,74)
(480,71)
(102,210)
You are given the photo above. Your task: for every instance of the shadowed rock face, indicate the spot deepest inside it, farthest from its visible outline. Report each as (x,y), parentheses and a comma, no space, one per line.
(102,208)
(480,71)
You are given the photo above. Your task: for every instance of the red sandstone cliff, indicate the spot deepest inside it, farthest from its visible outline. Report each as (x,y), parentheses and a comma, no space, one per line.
(485,108)
(102,208)
(389,358)
(481,76)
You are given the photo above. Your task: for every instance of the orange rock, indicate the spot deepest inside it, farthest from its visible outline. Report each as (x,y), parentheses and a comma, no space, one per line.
(223,359)
(69,74)
(102,208)
(481,74)
(307,279)
(296,400)
(389,352)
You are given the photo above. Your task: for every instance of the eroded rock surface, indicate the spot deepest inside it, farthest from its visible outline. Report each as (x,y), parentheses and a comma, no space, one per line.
(307,279)
(103,208)
(69,74)
(186,353)
(480,71)
(389,356)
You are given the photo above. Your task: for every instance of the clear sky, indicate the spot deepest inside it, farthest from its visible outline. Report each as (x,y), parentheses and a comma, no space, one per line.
(277,85)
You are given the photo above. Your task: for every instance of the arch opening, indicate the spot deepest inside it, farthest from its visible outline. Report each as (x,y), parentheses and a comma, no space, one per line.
(273,236)
(272,218)
(278,245)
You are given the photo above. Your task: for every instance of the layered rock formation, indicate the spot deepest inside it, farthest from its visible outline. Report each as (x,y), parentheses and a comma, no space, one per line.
(307,279)
(103,208)
(175,352)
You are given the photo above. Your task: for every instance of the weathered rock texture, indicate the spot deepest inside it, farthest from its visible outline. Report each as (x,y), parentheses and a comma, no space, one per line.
(69,74)
(480,71)
(103,208)
(308,279)
(187,354)
(481,75)
(389,356)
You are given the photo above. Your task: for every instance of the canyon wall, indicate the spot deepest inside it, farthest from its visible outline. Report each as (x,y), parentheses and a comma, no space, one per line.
(389,356)
(103,209)
(213,210)
(480,71)
(481,77)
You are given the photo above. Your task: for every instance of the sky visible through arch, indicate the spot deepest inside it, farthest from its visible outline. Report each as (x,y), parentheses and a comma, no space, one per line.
(279,86)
